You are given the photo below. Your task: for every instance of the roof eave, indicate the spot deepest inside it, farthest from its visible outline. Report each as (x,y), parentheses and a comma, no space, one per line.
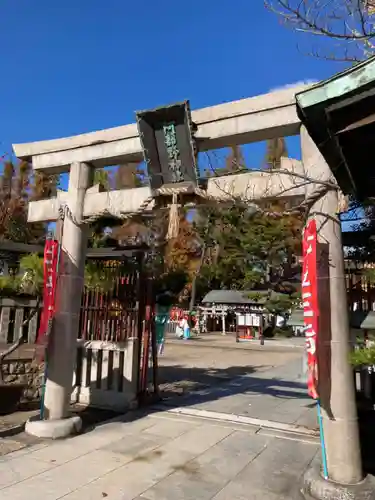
(312,105)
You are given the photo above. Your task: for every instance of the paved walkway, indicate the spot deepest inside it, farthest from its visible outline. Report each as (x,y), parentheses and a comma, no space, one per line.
(245,438)
(278,394)
(160,457)
(188,366)
(228,341)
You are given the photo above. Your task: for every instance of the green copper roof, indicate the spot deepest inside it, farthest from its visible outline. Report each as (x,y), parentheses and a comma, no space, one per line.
(339,115)
(338,85)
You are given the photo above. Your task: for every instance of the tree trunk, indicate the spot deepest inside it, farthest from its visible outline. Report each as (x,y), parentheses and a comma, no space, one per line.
(194,284)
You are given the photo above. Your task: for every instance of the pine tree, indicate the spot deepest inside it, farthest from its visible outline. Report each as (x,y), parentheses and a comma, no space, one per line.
(13,202)
(205,219)
(103,178)
(276,149)
(129,176)
(254,249)
(235,161)
(182,252)
(43,186)
(18,186)
(100,228)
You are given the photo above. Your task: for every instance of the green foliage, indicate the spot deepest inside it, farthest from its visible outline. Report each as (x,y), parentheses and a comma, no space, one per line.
(31,267)
(98,277)
(8,286)
(281,303)
(369,274)
(129,176)
(258,296)
(14,183)
(171,282)
(245,250)
(43,186)
(276,149)
(102,177)
(166,299)
(363,357)
(28,281)
(275,303)
(18,185)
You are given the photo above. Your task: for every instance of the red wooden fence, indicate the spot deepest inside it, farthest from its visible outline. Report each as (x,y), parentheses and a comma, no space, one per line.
(360,288)
(112,315)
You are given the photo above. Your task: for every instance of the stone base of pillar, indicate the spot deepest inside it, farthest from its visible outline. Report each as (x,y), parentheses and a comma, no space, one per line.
(315,486)
(53,429)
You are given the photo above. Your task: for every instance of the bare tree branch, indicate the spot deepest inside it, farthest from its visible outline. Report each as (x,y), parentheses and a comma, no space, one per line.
(349,24)
(322,187)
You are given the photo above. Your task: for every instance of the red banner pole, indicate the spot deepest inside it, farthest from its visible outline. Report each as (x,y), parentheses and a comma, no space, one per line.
(51,262)
(310,301)
(310,304)
(49,289)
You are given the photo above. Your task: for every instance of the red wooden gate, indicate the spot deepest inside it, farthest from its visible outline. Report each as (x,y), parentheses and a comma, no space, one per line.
(124,310)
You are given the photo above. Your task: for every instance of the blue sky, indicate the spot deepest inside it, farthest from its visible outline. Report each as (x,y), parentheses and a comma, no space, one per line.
(75,66)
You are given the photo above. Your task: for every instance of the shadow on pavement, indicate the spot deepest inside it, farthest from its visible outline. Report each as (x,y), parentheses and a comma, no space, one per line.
(210,384)
(206,385)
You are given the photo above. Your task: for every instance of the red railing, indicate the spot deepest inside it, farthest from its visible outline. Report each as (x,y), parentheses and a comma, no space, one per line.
(360,288)
(112,315)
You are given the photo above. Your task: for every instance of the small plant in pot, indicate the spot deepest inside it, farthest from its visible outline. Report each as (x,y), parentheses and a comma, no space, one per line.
(363,360)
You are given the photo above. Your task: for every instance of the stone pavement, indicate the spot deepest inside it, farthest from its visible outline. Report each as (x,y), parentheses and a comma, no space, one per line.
(187,366)
(278,394)
(199,446)
(160,457)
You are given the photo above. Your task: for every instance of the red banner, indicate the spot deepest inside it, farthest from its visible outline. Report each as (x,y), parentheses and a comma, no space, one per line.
(310,304)
(51,255)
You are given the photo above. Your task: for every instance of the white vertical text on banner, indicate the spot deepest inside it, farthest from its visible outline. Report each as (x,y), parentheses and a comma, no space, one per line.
(310,304)
(49,291)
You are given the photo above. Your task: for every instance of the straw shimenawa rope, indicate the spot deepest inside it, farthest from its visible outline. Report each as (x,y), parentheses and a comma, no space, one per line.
(174,219)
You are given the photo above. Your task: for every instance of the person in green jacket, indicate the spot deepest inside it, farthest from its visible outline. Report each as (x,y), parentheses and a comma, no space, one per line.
(162,313)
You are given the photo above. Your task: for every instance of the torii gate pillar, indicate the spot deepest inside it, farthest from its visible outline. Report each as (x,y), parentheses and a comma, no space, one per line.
(336,384)
(62,349)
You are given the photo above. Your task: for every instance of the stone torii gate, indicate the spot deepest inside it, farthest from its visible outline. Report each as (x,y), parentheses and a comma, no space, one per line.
(249,120)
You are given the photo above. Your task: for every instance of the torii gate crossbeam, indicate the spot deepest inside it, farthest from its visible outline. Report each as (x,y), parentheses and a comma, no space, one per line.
(240,122)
